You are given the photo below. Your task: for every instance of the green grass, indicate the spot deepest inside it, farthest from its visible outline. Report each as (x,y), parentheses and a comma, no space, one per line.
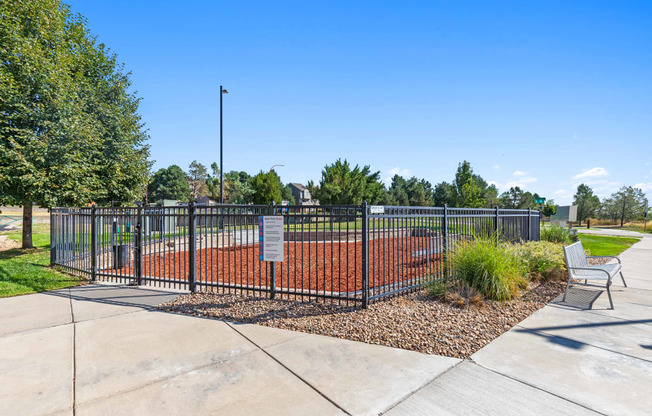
(600,245)
(28,271)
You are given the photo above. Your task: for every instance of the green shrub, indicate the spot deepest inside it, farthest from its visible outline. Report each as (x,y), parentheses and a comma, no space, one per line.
(542,259)
(438,289)
(555,234)
(493,270)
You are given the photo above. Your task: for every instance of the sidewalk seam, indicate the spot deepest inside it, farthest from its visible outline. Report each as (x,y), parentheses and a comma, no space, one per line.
(540,389)
(422,386)
(74,355)
(288,369)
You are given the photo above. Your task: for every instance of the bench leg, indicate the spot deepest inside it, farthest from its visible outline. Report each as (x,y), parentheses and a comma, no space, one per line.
(566,291)
(611,303)
(623,278)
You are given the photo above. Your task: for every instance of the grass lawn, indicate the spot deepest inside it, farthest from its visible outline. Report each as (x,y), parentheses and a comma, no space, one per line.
(28,271)
(606,246)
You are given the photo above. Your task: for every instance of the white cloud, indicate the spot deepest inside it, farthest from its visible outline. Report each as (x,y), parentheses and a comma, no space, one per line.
(396,171)
(521,183)
(596,172)
(519,173)
(497,167)
(562,192)
(644,186)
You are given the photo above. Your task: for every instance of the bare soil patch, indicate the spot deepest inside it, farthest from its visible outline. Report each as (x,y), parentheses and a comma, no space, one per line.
(413,322)
(7,243)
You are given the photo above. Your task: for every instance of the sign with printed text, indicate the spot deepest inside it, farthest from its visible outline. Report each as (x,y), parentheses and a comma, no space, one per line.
(270,236)
(376,209)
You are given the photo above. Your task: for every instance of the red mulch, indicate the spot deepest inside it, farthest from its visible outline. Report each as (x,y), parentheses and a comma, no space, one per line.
(322,266)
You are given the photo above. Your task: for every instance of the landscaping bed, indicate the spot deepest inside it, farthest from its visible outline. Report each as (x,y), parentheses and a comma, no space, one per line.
(414,322)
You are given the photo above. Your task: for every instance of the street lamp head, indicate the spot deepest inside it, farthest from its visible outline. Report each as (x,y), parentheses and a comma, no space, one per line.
(225,91)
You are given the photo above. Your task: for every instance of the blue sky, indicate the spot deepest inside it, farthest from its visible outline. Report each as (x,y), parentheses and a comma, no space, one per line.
(544,95)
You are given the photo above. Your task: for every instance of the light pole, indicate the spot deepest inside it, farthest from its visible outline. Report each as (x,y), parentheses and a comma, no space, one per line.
(273,166)
(222,91)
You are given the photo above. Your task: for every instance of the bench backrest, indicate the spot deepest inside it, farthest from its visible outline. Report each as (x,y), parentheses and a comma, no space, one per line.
(575,255)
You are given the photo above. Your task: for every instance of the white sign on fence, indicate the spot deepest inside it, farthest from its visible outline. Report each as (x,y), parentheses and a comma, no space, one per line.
(270,236)
(376,209)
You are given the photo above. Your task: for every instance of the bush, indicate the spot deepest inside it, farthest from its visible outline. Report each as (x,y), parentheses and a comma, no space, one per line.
(456,293)
(542,260)
(493,270)
(555,234)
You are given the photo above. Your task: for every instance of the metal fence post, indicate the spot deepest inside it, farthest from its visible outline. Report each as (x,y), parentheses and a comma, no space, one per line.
(93,243)
(138,261)
(272,264)
(53,244)
(529,225)
(365,254)
(192,245)
(497,225)
(444,227)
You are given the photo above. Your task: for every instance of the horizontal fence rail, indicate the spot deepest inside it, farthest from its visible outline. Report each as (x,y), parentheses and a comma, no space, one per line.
(352,254)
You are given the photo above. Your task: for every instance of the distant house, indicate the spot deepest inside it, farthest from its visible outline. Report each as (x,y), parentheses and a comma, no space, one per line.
(302,195)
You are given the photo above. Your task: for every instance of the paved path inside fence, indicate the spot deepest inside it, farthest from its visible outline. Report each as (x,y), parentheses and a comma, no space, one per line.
(102,349)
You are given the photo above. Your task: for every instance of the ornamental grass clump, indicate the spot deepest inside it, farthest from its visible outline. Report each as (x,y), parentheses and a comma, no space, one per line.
(542,260)
(492,269)
(555,234)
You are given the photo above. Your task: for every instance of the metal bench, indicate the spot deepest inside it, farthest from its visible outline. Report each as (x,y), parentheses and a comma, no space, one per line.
(579,268)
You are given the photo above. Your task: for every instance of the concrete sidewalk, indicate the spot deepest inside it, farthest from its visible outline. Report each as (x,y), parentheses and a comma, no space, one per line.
(103,349)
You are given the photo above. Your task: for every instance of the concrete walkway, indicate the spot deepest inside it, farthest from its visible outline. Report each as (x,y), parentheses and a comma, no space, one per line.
(102,349)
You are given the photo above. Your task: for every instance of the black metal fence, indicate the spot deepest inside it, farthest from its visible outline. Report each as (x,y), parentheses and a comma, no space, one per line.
(352,254)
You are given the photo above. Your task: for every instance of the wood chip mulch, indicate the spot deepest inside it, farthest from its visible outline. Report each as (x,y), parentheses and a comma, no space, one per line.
(413,322)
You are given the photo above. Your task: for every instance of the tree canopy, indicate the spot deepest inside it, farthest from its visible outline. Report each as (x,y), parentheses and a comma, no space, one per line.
(342,184)
(267,188)
(587,203)
(169,183)
(70,132)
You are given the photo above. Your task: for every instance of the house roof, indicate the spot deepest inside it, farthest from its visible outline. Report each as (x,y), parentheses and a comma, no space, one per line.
(298,186)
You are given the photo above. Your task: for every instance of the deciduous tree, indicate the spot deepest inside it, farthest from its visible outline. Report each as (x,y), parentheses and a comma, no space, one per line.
(70,132)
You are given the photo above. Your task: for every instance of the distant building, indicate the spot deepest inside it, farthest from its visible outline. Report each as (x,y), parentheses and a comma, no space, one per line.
(302,195)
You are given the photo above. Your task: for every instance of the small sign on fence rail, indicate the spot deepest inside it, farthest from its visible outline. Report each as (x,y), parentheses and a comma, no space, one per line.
(270,236)
(376,209)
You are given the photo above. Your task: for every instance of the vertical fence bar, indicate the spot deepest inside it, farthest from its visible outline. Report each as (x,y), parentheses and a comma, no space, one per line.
(272,265)
(529,225)
(365,254)
(53,245)
(192,248)
(138,260)
(497,225)
(444,227)
(93,243)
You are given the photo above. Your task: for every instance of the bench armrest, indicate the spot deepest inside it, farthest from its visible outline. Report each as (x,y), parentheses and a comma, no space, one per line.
(592,270)
(604,257)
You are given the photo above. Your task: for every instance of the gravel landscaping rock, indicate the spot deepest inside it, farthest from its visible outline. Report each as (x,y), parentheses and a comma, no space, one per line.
(414,322)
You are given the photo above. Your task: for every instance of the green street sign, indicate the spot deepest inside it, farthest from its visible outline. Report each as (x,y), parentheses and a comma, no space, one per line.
(540,200)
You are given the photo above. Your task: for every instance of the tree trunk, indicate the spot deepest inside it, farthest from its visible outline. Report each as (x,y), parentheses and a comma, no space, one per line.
(622,214)
(27,225)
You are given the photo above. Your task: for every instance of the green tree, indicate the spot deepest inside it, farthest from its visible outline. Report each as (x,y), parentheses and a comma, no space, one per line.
(341,184)
(628,204)
(213,183)
(586,202)
(549,208)
(468,187)
(286,194)
(70,132)
(516,198)
(444,194)
(197,175)
(237,188)
(169,183)
(267,187)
